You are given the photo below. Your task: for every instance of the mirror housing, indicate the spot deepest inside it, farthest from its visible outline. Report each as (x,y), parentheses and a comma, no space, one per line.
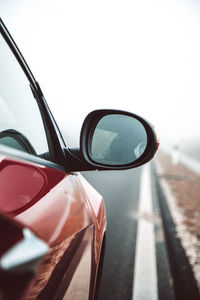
(113,140)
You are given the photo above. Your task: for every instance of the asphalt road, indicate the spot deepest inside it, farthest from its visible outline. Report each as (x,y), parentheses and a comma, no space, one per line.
(121,193)
(173,278)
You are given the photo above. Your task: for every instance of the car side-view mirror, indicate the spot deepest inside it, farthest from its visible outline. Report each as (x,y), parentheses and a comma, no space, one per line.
(116,140)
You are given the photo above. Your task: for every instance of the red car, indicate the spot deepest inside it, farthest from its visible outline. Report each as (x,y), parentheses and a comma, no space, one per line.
(52,221)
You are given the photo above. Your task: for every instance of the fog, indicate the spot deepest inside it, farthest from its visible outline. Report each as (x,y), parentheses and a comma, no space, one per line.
(141,56)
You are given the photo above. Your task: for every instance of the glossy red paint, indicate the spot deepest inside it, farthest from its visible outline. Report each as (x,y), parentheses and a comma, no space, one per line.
(23,184)
(11,234)
(67,213)
(97,210)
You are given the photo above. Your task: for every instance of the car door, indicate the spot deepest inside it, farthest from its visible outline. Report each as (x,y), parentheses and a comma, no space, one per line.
(39,200)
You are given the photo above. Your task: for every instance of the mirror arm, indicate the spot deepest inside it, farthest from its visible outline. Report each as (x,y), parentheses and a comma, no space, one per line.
(75,161)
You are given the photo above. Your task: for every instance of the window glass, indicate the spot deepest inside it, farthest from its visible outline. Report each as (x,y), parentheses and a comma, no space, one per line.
(21,125)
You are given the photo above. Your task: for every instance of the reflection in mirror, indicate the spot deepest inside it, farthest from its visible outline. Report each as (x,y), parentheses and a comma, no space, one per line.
(118,140)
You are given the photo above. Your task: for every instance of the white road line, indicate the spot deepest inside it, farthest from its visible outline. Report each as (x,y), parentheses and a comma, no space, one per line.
(145,273)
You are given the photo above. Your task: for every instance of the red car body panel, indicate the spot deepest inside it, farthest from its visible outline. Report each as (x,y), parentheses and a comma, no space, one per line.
(65,212)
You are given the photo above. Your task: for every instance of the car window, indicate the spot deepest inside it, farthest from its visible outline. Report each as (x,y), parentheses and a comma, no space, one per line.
(21,125)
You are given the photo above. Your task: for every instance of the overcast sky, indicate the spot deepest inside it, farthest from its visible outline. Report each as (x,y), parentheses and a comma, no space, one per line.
(141,56)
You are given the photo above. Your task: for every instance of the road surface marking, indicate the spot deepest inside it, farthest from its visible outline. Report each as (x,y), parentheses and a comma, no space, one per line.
(145,273)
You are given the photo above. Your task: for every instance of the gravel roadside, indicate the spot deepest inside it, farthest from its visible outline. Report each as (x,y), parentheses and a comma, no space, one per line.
(182,186)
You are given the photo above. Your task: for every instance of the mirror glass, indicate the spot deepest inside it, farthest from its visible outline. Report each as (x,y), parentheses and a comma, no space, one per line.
(118,140)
